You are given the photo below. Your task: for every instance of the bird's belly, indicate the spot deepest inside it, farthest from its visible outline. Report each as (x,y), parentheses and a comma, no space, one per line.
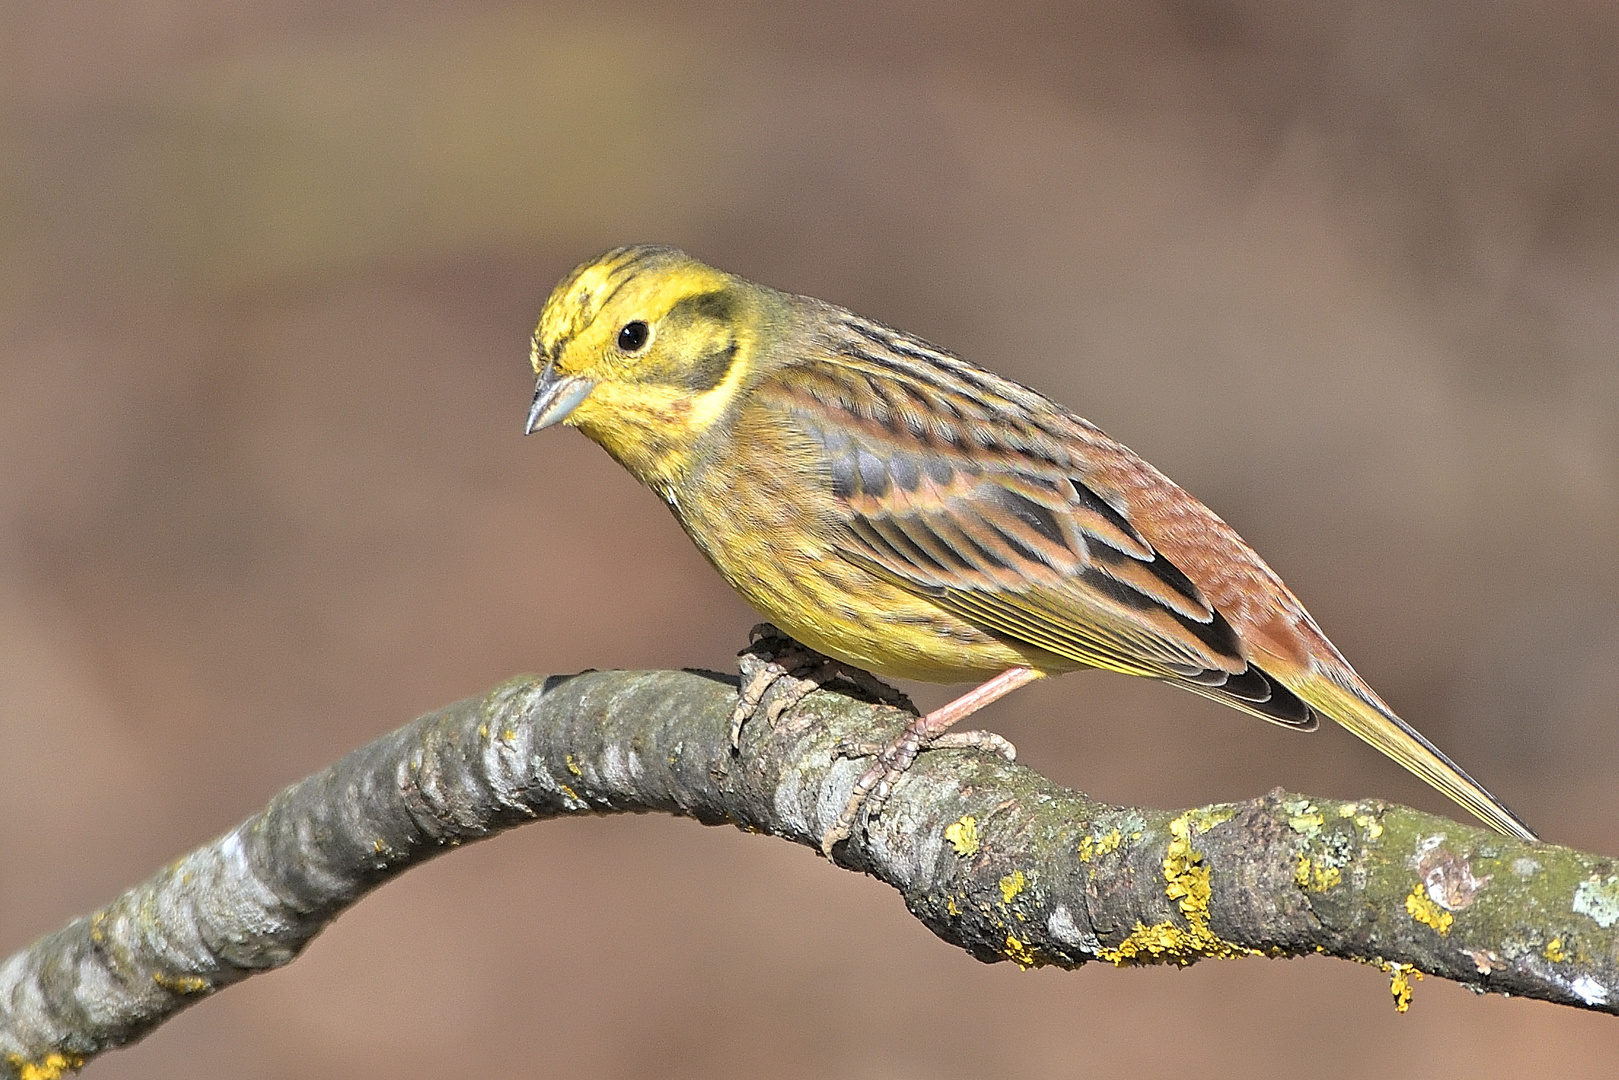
(844,611)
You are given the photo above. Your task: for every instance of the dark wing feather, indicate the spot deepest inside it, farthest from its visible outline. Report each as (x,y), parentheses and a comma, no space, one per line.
(988,516)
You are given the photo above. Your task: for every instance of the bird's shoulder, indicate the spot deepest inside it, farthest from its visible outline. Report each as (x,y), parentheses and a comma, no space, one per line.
(855,387)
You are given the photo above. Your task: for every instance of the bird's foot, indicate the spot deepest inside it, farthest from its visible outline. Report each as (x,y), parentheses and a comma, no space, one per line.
(871,791)
(778,673)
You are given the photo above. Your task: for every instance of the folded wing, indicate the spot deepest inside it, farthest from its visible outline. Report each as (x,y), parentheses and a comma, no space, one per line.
(997,526)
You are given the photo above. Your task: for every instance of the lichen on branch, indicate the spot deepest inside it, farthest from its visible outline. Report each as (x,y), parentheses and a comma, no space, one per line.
(991,856)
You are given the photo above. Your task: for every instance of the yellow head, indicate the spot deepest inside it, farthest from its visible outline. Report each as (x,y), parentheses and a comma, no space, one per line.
(642,349)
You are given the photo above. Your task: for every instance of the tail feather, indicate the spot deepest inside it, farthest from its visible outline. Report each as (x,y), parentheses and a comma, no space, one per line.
(1254,692)
(1365,715)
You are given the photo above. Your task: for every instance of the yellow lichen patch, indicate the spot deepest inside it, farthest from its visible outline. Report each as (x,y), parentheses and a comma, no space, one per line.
(1184,870)
(1188,885)
(1554,950)
(483,731)
(963,835)
(51,1068)
(1095,847)
(1011,885)
(570,793)
(181,984)
(950,906)
(1400,983)
(1364,819)
(1018,951)
(1311,876)
(573,766)
(1160,941)
(1421,907)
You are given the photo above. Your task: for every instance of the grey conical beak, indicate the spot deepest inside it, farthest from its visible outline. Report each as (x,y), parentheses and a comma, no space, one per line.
(555,397)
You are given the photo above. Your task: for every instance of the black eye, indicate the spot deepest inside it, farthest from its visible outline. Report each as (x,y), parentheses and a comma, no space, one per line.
(634,336)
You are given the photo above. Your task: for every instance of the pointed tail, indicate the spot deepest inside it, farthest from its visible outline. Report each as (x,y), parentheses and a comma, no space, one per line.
(1367,717)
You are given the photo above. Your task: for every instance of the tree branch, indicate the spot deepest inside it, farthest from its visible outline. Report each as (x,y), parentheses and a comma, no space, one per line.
(990,856)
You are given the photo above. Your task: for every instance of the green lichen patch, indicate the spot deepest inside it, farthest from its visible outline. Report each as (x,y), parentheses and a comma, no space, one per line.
(1303,817)
(1598,898)
(1205,818)
(1365,818)
(1325,848)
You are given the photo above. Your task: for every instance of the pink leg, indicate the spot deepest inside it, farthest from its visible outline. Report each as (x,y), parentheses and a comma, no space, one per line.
(921,733)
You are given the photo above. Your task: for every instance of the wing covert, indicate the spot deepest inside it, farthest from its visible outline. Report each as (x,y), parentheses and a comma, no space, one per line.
(1003,531)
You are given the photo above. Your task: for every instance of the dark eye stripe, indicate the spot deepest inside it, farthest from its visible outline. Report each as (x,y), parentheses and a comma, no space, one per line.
(711,370)
(717,306)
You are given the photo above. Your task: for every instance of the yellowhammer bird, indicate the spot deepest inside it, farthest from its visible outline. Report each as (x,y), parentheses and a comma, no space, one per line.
(895,507)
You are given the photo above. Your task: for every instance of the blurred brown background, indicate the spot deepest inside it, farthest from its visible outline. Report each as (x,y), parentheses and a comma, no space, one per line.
(1349,272)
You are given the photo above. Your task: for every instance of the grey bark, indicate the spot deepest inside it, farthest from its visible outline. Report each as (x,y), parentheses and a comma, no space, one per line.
(989,855)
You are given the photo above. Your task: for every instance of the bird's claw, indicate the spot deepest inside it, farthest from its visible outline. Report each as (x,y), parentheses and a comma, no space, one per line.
(778,673)
(986,741)
(893,759)
(770,688)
